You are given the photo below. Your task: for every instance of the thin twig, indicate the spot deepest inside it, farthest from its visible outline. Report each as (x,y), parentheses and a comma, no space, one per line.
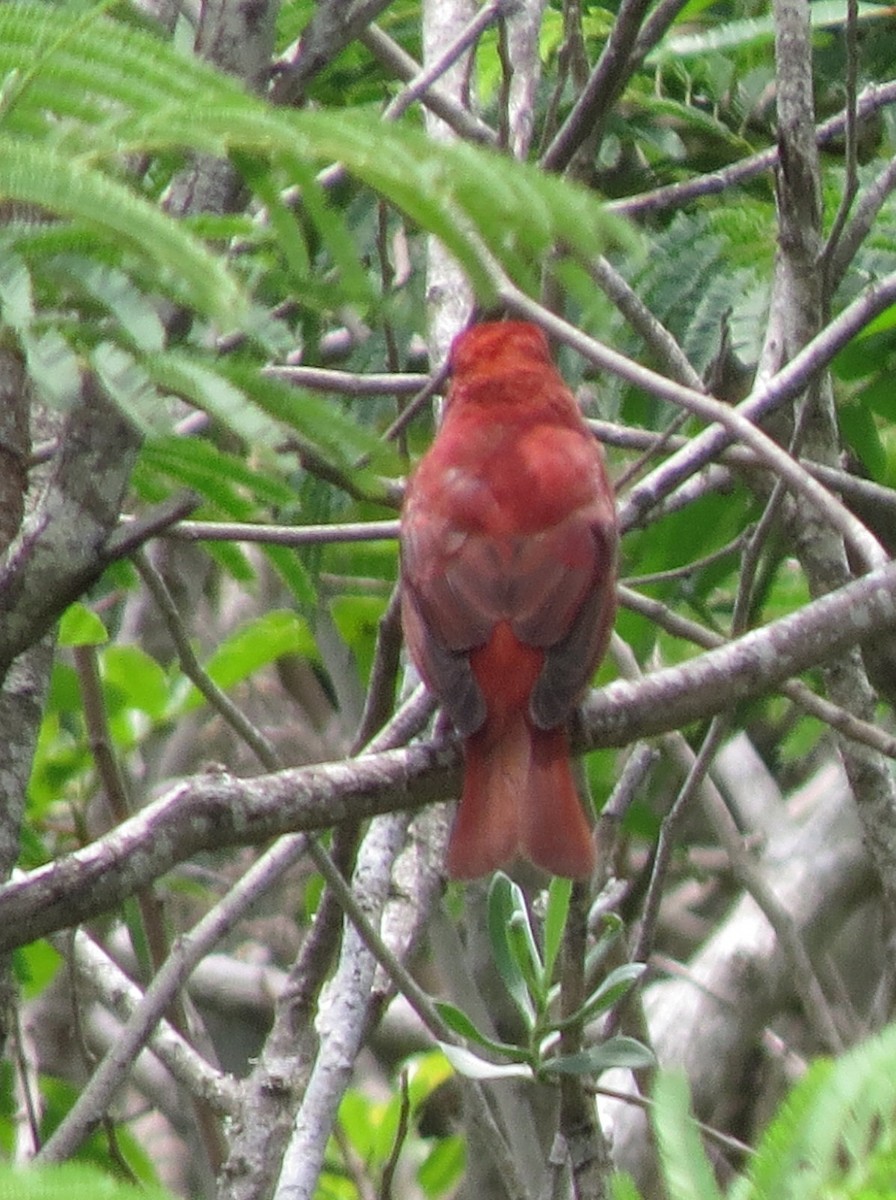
(282,535)
(216,696)
(748,874)
(689,568)
(464,123)
(851,182)
(725,1140)
(733,422)
(433,71)
(872,200)
(657,338)
(348,383)
(679,195)
(817,706)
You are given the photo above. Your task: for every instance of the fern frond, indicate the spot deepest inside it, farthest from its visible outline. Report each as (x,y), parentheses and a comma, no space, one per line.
(135,94)
(35,175)
(833,1132)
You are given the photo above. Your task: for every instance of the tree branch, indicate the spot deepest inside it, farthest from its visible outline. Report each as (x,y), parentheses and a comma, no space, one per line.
(62,547)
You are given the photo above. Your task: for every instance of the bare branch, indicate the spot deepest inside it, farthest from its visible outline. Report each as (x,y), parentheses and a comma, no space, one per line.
(456,116)
(332,27)
(732,420)
(62,546)
(346,383)
(105,979)
(98,1093)
(437,67)
(602,89)
(677,195)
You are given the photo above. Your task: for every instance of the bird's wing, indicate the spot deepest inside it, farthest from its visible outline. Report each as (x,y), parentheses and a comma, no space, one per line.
(553,587)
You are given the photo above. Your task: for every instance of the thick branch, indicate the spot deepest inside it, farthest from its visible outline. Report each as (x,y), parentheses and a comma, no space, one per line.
(602,89)
(62,548)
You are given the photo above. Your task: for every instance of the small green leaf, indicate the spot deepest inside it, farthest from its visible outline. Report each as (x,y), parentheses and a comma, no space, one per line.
(80,626)
(456,1019)
(254,646)
(559,893)
(473,1067)
(72,1181)
(283,221)
(205,387)
(53,367)
(140,680)
(749,31)
(503,898)
(524,943)
(617,1052)
(611,989)
(113,289)
(622,1187)
(36,966)
(442,1169)
(16,299)
(130,387)
(426,1074)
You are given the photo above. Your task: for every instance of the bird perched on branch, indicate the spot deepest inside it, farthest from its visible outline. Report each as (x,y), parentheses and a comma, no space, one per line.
(508,545)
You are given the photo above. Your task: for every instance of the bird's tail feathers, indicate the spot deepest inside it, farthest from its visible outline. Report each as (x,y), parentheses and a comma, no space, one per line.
(519,798)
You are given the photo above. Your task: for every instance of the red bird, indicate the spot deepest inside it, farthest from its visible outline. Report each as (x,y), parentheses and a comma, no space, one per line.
(508,544)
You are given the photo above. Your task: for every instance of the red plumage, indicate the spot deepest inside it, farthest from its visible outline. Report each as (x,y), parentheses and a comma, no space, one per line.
(508,539)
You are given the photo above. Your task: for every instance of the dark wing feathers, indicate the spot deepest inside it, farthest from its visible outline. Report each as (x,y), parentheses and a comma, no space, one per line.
(551,586)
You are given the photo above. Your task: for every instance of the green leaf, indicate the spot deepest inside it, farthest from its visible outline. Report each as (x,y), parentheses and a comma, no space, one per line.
(860,430)
(318,420)
(209,390)
(426,1074)
(57,183)
(52,366)
(505,907)
(616,1052)
(80,626)
(473,1067)
(746,32)
(140,680)
(112,288)
(612,927)
(686,1170)
(834,1131)
(443,1168)
(559,893)
(456,1019)
(283,219)
(71,1181)
(255,645)
(622,1187)
(129,385)
(611,989)
(16,298)
(36,966)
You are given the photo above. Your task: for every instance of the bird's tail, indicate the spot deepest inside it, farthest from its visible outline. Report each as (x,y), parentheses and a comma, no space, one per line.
(519,798)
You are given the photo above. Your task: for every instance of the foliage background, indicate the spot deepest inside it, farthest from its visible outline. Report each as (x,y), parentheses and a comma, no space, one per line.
(235,243)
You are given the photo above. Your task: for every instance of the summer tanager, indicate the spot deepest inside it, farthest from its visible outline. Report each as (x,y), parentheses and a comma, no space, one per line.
(508,539)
